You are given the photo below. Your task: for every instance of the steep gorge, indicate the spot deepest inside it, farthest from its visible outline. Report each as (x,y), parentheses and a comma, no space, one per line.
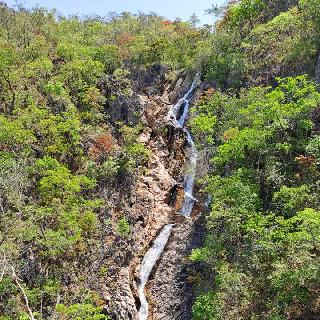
(156,282)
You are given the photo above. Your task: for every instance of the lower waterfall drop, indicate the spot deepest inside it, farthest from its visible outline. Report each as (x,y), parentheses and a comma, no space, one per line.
(148,262)
(177,114)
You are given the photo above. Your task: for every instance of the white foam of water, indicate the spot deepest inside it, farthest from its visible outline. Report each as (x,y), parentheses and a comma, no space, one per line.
(179,121)
(185,101)
(189,178)
(148,262)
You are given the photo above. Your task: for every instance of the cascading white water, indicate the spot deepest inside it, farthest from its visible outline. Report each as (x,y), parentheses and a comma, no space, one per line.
(148,262)
(183,104)
(189,177)
(179,121)
(154,253)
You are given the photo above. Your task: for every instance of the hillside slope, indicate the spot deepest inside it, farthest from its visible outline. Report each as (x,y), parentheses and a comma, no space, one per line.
(260,258)
(97,158)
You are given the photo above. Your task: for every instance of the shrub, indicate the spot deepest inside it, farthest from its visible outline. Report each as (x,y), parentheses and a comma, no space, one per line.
(123,228)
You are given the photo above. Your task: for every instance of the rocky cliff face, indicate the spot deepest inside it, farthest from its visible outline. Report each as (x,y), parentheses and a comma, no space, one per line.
(153,201)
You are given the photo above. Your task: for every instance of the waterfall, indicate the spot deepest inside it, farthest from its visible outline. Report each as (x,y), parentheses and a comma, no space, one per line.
(177,114)
(179,122)
(183,104)
(148,262)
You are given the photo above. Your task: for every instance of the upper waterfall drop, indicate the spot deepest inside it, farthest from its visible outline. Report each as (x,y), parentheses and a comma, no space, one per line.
(179,117)
(183,104)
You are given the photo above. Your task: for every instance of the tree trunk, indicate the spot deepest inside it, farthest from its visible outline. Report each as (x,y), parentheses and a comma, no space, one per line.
(317,70)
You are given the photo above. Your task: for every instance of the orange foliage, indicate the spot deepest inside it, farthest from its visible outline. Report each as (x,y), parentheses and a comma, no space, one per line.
(166,22)
(103,145)
(125,38)
(207,95)
(305,161)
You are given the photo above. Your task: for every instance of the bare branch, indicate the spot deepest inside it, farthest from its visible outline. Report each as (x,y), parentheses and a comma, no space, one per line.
(16,279)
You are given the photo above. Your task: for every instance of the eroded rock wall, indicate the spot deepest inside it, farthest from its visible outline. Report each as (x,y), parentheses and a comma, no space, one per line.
(155,201)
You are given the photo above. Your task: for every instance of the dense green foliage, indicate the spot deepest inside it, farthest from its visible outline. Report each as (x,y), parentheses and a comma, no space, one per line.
(262,244)
(258,40)
(260,257)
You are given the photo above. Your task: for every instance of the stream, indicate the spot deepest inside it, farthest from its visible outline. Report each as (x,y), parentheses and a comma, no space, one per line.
(177,115)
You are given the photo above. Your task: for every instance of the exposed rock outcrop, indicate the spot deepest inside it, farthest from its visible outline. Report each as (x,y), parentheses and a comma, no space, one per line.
(150,81)
(154,202)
